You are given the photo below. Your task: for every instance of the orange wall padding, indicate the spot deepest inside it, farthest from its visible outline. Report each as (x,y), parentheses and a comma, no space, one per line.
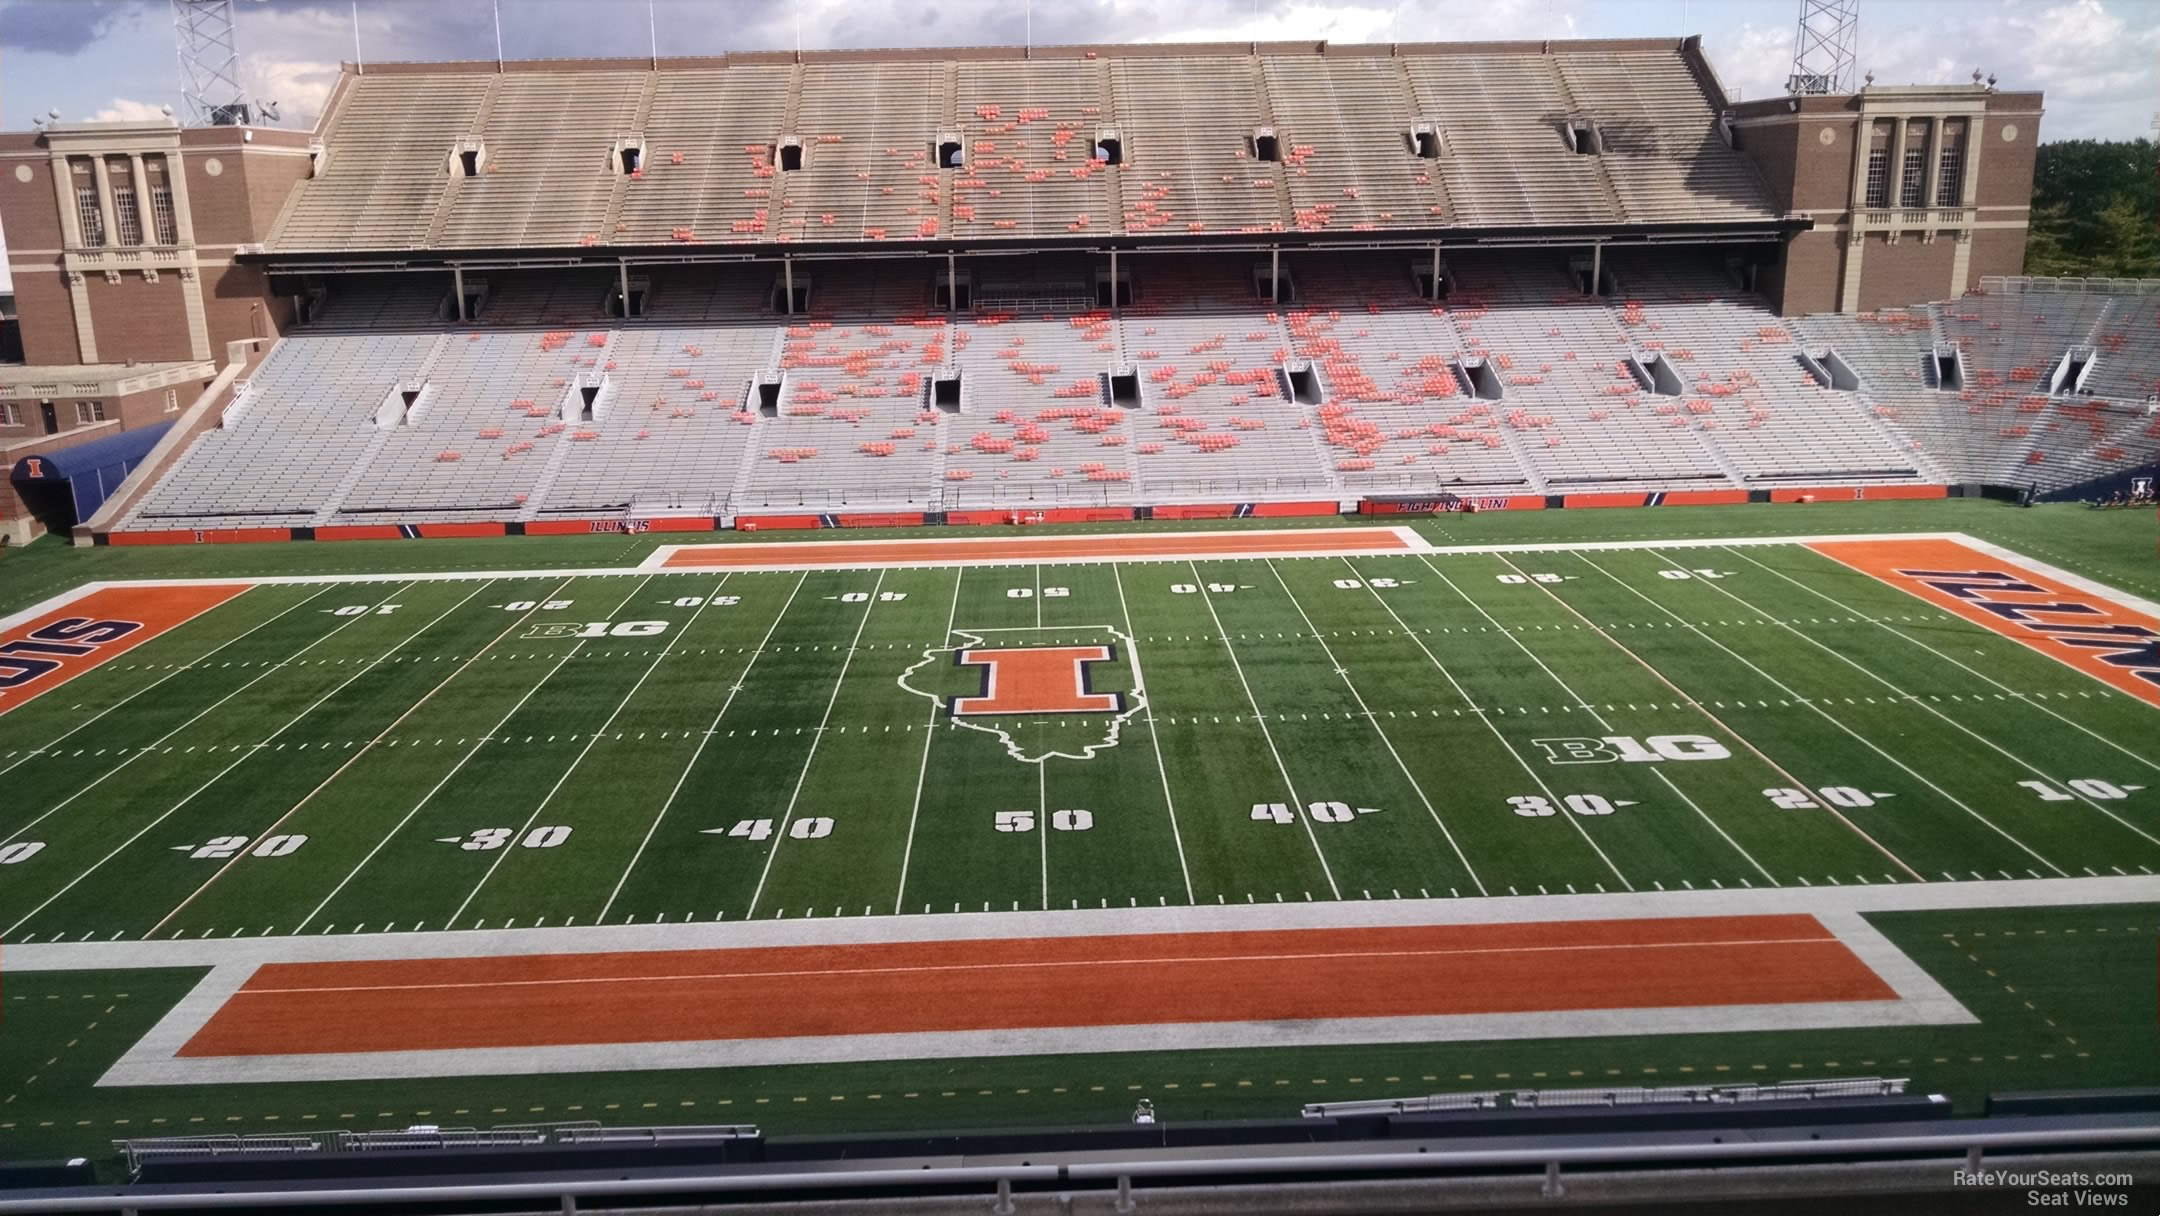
(1574,501)
(903,519)
(1085,515)
(1211,510)
(777,523)
(207,536)
(1877,493)
(358,532)
(1274,510)
(1705,498)
(472,529)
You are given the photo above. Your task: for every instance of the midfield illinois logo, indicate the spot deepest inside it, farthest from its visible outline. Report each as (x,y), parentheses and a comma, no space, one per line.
(1052,686)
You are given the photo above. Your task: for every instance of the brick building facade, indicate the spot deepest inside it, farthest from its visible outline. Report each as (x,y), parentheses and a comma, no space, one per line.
(1916,192)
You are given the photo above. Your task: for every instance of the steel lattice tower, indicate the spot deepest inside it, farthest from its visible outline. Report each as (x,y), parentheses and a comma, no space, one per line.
(1826,50)
(210,92)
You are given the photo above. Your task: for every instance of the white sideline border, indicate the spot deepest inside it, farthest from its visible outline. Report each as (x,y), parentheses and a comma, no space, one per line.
(1921,1000)
(1422,548)
(1413,543)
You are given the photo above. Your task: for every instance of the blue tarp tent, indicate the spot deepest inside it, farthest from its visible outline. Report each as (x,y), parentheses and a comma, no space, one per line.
(79,478)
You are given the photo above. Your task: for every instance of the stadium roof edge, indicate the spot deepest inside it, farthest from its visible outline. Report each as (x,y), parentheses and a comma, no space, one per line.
(288,261)
(1113,50)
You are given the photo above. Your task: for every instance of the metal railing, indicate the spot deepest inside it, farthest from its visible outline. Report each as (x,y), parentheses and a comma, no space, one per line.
(1996,284)
(1966,1147)
(1632,1095)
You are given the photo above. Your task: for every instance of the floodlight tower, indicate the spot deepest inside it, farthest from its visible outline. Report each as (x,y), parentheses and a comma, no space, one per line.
(1827,47)
(210,92)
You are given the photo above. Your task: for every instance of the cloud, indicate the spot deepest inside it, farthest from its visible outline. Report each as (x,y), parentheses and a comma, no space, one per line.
(60,27)
(300,87)
(2096,67)
(2097,60)
(1752,62)
(124,109)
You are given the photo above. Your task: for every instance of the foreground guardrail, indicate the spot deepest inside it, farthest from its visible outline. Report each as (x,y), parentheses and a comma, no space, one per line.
(1968,1148)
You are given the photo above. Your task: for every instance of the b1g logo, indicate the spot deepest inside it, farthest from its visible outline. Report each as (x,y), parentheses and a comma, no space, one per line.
(596,629)
(72,637)
(1610,749)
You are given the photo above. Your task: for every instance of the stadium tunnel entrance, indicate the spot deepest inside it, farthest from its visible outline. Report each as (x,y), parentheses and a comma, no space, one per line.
(62,488)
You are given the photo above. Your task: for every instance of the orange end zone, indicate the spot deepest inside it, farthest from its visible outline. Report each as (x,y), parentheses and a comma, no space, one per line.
(2104,640)
(837,554)
(1033,983)
(54,647)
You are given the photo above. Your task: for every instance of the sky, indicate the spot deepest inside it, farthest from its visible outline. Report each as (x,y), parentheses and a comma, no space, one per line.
(2097,60)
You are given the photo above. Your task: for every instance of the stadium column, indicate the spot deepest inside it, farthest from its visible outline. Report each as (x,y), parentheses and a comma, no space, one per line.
(622,281)
(787,280)
(1113,280)
(1597,265)
(1856,198)
(103,176)
(457,289)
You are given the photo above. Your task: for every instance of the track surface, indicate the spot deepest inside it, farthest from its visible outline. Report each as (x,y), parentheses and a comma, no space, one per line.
(1024,983)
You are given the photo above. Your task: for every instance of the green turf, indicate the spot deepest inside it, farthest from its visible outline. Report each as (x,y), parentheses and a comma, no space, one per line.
(2088,974)
(2115,546)
(453,760)
(446,759)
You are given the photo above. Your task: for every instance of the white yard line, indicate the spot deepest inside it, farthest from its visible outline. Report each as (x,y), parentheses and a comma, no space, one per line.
(1042,825)
(787,816)
(1147,705)
(712,728)
(1042,775)
(1207,597)
(1696,705)
(178,669)
(243,758)
(152,747)
(1584,704)
(455,769)
(922,768)
(1922,703)
(1374,720)
(363,750)
(1826,716)
(1952,659)
(590,740)
(1536,778)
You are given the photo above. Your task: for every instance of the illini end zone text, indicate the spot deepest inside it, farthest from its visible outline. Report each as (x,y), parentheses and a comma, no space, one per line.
(46,651)
(2105,639)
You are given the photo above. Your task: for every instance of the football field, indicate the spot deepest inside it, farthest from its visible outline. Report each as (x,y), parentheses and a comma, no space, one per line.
(674,744)
(724,813)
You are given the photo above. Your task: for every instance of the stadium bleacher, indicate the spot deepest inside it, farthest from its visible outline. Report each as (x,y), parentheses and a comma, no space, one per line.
(853,379)
(1198,390)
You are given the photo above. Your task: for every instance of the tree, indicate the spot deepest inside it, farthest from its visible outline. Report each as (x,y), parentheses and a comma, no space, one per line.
(2096,209)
